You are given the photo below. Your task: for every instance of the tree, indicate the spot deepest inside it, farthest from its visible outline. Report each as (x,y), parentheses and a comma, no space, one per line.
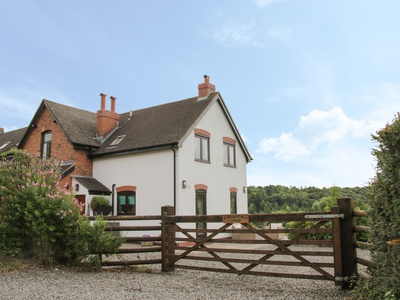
(41,217)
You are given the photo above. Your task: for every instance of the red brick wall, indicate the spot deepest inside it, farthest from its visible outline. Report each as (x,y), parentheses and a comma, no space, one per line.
(61,148)
(107,121)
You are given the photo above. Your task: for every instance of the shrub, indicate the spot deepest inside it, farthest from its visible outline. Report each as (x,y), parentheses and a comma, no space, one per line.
(40,216)
(98,201)
(384,282)
(100,205)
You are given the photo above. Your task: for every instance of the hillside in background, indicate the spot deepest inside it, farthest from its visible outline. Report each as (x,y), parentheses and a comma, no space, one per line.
(278,198)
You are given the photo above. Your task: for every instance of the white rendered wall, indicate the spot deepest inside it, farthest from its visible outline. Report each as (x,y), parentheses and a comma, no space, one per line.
(82,191)
(150,172)
(215,175)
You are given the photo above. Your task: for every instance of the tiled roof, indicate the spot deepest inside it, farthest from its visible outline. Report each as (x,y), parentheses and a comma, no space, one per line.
(11,139)
(66,167)
(79,125)
(92,184)
(156,126)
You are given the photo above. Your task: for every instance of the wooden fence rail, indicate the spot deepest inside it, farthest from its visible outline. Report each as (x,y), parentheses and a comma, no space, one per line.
(361,244)
(182,244)
(141,244)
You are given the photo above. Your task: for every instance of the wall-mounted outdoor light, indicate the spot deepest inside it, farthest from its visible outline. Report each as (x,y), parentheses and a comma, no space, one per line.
(77,187)
(244,189)
(184,184)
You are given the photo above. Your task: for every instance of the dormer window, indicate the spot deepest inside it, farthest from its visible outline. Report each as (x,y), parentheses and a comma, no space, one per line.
(117,140)
(46,145)
(5,145)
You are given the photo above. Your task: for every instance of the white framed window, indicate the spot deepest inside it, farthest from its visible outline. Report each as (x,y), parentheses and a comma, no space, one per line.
(46,144)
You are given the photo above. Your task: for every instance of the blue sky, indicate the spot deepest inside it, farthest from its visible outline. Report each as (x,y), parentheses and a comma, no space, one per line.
(307,82)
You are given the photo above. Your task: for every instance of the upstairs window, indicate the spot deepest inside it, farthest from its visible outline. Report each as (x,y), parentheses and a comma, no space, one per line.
(46,145)
(202,145)
(229,152)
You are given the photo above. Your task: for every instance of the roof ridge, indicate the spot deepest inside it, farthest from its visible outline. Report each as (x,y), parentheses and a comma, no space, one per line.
(69,106)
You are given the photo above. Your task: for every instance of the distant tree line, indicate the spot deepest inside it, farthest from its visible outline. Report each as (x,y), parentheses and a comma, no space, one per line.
(278,198)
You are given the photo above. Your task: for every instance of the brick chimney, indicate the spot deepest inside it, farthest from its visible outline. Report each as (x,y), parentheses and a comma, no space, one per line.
(1,130)
(206,87)
(107,120)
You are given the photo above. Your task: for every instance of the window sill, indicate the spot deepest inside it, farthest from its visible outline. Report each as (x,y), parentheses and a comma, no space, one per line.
(202,161)
(230,166)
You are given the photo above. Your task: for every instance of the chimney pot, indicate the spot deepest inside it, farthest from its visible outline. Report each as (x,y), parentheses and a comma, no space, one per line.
(103,101)
(1,130)
(113,103)
(205,88)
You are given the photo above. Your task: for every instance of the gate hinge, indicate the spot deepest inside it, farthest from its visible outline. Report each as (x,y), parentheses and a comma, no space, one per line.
(325,216)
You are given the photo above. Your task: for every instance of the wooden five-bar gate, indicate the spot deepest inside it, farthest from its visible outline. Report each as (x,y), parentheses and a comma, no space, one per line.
(330,254)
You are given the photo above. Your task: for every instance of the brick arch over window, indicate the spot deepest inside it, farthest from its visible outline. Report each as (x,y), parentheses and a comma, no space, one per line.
(200,187)
(233,190)
(126,188)
(202,132)
(229,140)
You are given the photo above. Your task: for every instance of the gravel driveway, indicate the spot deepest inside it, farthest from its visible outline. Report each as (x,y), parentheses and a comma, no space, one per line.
(181,284)
(150,283)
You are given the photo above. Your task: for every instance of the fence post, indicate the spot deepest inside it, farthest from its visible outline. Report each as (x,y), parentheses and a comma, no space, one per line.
(167,239)
(347,241)
(337,249)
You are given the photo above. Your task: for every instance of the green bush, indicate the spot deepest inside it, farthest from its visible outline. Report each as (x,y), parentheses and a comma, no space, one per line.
(98,201)
(41,217)
(308,225)
(91,239)
(384,282)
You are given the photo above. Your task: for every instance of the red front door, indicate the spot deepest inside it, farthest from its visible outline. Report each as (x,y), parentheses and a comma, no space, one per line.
(82,201)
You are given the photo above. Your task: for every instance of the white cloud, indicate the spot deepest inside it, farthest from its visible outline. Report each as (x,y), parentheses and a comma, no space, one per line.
(264,3)
(237,34)
(342,165)
(314,130)
(333,125)
(286,147)
(249,32)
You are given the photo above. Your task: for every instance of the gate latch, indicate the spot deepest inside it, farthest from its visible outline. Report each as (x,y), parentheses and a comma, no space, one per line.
(341,278)
(325,216)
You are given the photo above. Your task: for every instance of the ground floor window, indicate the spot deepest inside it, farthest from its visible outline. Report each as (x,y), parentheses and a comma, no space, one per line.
(201,210)
(126,203)
(233,203)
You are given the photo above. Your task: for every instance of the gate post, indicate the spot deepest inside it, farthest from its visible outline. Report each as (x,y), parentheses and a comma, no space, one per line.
(347,241)
(167,239)
(337,249)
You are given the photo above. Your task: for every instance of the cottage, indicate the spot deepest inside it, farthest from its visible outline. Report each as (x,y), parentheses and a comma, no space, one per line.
(188,154)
